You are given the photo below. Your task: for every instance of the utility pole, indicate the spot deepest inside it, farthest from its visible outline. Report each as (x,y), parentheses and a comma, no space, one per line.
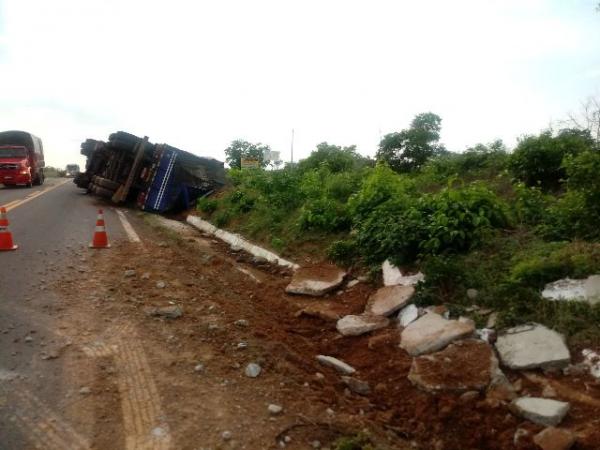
(292,146)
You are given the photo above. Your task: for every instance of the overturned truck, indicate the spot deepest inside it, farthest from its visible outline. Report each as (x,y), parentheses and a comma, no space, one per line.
(157,177)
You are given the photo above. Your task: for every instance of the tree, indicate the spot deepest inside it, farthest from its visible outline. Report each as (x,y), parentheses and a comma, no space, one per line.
(538,160)
(338,159)
(409,149)
(239,149)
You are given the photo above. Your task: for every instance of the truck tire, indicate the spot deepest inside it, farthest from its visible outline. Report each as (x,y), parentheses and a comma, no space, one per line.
(105,193)
(107,184)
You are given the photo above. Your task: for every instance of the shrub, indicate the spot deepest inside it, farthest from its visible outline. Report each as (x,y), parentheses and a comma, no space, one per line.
(343,252)
(405,228)
(324,214)
(335,158)
(530,204)
(222,218)
(538,160)
(207,205)
(577,213)
(379,186)
(557,260)
(474,161)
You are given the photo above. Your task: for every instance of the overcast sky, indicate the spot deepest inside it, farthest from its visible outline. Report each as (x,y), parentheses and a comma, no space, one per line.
(198,74)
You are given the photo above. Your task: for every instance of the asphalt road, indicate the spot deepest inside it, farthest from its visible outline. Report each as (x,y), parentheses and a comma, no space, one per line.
(52,225)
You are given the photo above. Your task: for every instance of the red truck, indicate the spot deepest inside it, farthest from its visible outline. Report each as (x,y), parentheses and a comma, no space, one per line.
(21,159)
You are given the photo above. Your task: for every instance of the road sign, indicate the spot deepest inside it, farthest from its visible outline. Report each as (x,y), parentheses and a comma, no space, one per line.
(250,163)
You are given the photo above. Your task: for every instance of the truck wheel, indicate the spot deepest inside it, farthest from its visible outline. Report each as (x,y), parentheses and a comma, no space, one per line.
(105,193)
(107,184)
(28,185)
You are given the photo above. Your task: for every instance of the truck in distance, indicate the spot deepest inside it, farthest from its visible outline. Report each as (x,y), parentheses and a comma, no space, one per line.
(72,170)
(21,159)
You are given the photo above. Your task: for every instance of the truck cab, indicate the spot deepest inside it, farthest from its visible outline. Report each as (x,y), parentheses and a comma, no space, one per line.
(72,170)
(21,159)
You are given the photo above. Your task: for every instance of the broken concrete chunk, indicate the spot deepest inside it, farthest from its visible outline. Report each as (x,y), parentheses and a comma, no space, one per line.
(315,281)
(431,333)
(336,364)
(324,311)
(389,299)
(587,289)
(392,276)
(352,283)
(554,439)
(408,315)
(592,361)
(356,325)
(463,366)
(170,312)
(532,346)
(357,386)
(542,411)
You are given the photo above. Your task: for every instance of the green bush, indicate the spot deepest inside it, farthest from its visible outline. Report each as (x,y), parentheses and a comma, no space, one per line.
(538,160)
(335,158)
(405,228)
(576,214)
(324,214)
(530,204)
(379,186)
(222,218)
(207,205)
(556,260)
(360,441)
(343,252)
(480,160)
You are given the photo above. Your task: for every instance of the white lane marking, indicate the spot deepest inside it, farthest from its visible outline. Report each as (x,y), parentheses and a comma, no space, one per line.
(131,234)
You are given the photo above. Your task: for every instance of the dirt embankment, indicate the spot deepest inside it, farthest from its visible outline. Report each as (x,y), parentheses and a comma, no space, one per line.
(184,378)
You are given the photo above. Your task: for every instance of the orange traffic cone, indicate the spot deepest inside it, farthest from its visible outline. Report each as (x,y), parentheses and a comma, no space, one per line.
(6,241)
(3,217)
(100,239)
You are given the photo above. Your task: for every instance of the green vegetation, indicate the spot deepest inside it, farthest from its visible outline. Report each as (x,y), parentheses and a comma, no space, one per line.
(360,441)
(504,223)
(53,172)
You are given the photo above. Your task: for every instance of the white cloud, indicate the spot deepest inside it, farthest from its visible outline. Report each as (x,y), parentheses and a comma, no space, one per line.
(199,74)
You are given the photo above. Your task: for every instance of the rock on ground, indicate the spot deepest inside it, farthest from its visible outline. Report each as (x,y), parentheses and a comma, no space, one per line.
(170,312)
(462,366)
(356,325)
(357,386)
(274,409)
(336,364)
(324,311)
(315,281)
(542,411)
(554,439)
(408,315)
(431,333)
(252,370)
(392,276)
(532,346)
(587,289)
(389,299)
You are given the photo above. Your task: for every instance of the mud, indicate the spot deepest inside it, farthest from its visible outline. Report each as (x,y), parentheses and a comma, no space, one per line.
(192,409)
